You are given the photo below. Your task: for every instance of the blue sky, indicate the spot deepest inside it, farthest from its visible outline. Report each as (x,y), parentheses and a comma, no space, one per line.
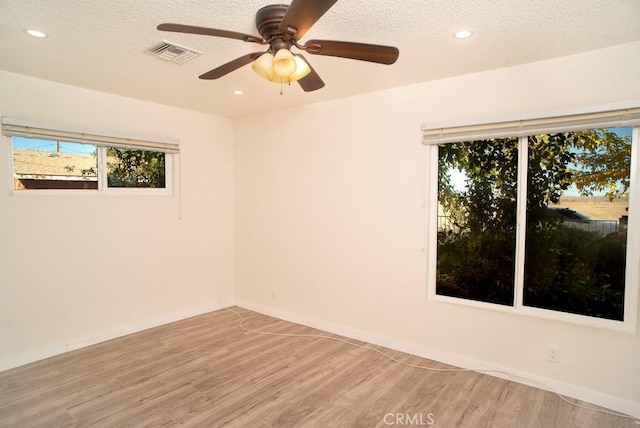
(50,146)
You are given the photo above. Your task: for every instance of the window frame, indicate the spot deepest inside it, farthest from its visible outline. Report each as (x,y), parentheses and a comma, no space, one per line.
(629,323)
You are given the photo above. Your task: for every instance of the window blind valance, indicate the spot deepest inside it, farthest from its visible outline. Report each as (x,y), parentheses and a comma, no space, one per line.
(525,127)
(19,128)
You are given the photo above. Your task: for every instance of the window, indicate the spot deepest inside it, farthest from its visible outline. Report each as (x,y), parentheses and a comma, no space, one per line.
(45,158)
(537,222)
(47,164)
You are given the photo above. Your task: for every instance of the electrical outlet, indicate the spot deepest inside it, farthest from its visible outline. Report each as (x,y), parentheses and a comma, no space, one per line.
(553,354)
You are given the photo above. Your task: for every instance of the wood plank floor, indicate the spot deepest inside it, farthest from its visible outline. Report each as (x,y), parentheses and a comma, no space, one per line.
(208,372)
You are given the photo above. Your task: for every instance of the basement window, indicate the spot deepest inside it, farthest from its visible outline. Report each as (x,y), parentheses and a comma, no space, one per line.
(44,159)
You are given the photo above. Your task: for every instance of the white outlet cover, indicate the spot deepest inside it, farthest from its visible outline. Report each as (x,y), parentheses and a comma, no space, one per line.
(553,354)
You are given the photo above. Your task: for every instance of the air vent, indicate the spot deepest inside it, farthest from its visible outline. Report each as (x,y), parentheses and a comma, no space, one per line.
(173,52)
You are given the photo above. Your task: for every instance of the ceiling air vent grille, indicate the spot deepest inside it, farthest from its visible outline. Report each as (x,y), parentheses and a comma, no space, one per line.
(173,52)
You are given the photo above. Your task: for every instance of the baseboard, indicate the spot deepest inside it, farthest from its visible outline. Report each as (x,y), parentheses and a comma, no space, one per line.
(51,351)
(568,390)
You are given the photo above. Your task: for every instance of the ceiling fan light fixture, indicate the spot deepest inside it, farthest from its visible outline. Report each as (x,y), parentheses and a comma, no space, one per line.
(302,69)
(284,65)
(268,67)
(263,66)
(281,26)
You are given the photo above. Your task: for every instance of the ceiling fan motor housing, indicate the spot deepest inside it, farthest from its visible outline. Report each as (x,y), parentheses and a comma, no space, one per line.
(268,21)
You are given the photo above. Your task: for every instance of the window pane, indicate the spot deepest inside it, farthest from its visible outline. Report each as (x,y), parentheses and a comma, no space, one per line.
(135,168)
(47,164)
(576,222)
(477,187)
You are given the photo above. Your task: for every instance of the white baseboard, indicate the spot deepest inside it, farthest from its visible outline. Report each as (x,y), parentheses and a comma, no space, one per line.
(569,390)
(40,354)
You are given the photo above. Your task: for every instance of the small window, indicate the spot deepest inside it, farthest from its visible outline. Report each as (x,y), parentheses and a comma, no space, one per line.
(42,164)
(46,157)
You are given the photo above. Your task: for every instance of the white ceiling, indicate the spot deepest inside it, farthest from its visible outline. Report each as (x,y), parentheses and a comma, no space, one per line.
(100,44)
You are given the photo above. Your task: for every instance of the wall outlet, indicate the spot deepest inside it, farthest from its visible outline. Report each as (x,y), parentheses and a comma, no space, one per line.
(553,354)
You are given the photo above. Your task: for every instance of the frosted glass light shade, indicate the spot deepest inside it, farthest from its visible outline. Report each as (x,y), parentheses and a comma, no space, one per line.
(302,69)
(284,64)
(263,66)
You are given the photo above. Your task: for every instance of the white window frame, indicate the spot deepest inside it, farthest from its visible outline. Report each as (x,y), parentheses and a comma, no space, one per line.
(16,127)
(624,114)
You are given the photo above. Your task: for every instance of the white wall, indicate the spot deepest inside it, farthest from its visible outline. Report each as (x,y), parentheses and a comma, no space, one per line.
(330,222)
(83,268)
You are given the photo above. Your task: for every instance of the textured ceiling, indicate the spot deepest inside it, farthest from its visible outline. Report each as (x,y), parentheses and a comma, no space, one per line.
(100,44)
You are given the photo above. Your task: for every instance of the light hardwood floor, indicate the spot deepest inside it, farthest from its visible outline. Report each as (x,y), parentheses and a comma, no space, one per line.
(208,372)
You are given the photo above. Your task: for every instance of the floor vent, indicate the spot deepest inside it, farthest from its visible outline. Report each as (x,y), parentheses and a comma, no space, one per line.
(172,52)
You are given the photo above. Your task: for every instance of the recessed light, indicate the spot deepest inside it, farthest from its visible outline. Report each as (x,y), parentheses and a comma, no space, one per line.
(238,92)
(36,33)
(463,34)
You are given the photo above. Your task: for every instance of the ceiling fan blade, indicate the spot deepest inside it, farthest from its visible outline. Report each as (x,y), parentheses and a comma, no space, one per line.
(192,29)
(360,51)
(312,81)
(230,66)
(302,14)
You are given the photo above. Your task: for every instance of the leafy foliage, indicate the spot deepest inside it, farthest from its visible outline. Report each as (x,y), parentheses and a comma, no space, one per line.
(603,163)
(576,271)
(549,174)
(132,168)
(135,168)
(477,267)
(491,167)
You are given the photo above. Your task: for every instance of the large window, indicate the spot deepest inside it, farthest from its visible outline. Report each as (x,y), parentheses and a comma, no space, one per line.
(537,222)
(64,160)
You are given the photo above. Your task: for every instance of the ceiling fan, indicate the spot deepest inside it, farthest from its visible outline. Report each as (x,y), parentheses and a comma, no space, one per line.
(281,28)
